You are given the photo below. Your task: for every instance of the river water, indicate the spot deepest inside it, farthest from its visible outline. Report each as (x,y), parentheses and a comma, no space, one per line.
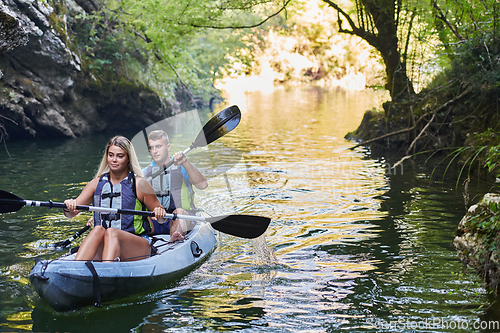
(353,244)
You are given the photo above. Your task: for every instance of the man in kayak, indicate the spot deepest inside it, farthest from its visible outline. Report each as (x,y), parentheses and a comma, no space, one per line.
(119,184)
(174,185)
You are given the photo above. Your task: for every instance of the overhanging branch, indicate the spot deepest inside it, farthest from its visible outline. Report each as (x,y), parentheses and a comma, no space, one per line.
(441,16)
(244,26)
(370,37)
(406,130)
(347,17)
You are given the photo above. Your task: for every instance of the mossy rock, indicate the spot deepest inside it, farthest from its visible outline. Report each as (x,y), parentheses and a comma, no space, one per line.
(478,239)
(370,126)
(123,92)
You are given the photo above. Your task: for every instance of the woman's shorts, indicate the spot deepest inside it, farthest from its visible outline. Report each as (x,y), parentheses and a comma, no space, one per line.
(154,250)
(146,237)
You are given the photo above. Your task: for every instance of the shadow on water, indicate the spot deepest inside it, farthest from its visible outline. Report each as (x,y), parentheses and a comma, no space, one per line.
(110,319)
(165,309)
(194,306)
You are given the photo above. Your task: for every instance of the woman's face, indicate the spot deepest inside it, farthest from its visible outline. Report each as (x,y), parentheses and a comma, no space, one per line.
(117,159)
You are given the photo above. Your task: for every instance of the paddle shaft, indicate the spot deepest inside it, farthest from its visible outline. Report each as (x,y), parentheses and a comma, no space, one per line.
(169,164)
(218,126)
(244,226)
(72,238)
(51,204)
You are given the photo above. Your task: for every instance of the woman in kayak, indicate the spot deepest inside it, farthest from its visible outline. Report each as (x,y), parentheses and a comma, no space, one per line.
(118,184)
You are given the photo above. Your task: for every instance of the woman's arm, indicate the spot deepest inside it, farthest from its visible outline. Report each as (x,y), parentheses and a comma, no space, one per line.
(85,198)
(146,195)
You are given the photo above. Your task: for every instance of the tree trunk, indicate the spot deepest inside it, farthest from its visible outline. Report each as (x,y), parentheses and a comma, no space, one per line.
(378,20)
(385,18)
(398,84)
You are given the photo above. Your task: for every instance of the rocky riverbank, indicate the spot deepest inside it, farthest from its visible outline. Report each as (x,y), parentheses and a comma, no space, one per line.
(44,89)
(478,238)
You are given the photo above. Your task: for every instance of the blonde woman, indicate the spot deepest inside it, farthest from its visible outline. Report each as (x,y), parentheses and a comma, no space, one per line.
(118,183)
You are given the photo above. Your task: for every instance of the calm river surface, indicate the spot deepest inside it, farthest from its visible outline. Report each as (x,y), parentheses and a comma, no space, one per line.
(353,245)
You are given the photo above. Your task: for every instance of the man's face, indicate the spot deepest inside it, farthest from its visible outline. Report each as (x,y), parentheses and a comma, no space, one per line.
(159,151)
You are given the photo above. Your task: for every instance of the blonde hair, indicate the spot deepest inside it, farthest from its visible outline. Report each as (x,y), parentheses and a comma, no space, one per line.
(126,145)
(157,135)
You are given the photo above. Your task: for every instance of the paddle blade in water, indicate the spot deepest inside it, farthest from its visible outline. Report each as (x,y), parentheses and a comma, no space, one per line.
(244,226)
(10,202)
(221,124)
(63,244)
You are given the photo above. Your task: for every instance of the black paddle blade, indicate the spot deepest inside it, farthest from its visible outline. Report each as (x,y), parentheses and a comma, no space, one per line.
(244,226)
(221,124)
(10,202)
(63,244)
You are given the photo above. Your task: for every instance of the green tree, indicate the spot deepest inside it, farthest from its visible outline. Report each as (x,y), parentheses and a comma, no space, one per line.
(193,39)
(169,44)
(460,20)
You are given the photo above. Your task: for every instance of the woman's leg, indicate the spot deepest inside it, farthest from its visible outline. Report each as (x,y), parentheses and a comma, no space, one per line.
(92,245)
(124,245)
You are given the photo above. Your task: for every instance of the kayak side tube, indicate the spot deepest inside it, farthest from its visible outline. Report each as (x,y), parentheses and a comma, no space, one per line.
(67,284)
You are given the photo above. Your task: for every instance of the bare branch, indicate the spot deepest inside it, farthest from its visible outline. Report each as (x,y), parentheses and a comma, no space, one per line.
(371,38)
(410,27)
(405,130)
(3,133)
(440,15)
(347,17)
(143,37)
(420,134)
(244,26)
(191,96)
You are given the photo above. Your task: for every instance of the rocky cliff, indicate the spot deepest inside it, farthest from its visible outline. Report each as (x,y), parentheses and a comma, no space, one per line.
(44,89)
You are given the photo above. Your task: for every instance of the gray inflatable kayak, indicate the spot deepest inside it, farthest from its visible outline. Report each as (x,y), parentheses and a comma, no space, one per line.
(67,284)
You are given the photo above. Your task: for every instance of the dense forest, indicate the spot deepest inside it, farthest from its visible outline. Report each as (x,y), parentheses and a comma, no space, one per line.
(439,60)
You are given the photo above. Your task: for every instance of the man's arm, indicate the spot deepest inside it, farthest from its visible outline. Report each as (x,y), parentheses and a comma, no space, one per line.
(197,178)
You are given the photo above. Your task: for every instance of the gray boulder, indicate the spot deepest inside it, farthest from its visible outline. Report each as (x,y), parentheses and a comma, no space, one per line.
(43,89)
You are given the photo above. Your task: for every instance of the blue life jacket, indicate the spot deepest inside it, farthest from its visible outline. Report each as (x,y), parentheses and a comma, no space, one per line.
(120,196)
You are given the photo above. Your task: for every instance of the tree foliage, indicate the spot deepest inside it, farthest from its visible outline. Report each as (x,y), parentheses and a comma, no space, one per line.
(195,42)
(410,34)
(304,46)
(461,20)
(164,44)
(457,42)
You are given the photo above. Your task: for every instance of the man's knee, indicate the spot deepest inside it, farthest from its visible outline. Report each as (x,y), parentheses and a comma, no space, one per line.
(181,211)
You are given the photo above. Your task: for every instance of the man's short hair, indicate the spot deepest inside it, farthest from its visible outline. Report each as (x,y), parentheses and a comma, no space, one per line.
(157,135)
